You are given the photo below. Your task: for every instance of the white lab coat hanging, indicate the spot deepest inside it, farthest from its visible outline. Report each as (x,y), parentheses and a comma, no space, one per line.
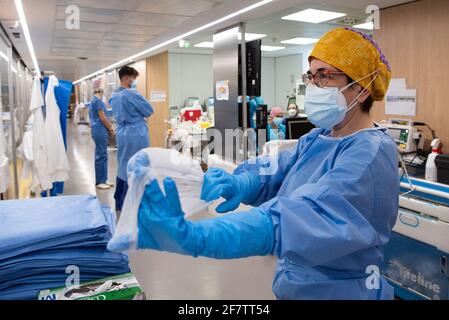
(4,167)
(58,164)
(41,177)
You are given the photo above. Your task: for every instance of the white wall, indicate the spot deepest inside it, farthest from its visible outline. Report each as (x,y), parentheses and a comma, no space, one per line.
(269,81)
(190,75)
(288,70)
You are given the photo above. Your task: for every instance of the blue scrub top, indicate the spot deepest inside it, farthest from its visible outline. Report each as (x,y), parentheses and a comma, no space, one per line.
(98,128)
(276,134)
(130,110)
(333,202)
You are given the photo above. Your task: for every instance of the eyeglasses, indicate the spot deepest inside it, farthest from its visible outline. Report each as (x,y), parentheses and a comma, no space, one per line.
(321,78)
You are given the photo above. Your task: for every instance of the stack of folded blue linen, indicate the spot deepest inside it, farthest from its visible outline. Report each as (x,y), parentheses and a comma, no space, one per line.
(40,239)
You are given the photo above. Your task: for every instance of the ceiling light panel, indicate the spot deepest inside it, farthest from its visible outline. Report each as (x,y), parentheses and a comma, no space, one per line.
(365,26)
(205,44)
(26,31)
(300,41)
(271,48)
(314,16)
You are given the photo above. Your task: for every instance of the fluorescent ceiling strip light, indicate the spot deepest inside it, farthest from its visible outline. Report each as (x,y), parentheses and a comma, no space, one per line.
(314,16)
(26,31)
(205,44)
(271,48)
(182,36)
(4,56)
(365,26)
(14,70)
(300,41)
(248,37)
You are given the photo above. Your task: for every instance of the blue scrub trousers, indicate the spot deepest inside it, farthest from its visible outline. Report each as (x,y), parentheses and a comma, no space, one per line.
(120,193)
(101,159)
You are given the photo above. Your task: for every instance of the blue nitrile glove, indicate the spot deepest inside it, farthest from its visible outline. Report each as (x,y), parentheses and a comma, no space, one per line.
(234,188)
(162,227)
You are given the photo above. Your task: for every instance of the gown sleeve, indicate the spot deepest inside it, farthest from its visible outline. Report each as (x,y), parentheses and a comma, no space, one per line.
(142,106)
(323,221)
(269,172)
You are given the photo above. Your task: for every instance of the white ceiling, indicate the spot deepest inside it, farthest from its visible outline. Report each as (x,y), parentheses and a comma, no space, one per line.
(114,29)
(277,30)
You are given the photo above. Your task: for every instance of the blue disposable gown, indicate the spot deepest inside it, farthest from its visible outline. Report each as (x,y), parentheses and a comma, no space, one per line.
(130,110)
(334,202)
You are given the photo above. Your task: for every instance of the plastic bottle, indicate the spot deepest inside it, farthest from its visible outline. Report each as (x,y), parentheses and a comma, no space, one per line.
(431,168)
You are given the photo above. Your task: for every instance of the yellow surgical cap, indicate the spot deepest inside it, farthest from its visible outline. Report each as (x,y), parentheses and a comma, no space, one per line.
(357,55)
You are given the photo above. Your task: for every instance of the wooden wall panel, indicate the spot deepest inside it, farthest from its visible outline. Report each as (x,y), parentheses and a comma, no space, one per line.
(157,80)
(414,39)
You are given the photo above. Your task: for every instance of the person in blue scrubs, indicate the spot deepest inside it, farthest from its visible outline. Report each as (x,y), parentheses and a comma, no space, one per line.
(276,128)
(101,131)
(324,208)
(131,111)
(253,103)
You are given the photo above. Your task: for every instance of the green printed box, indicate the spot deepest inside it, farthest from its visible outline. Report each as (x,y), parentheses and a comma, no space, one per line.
(121,287)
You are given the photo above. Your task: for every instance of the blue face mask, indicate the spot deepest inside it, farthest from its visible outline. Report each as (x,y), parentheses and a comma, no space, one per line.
(327,107)
(134,84)
(277,121)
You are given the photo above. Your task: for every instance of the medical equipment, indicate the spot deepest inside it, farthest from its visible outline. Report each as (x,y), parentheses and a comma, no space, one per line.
(192,114)
(297,127)
(407,137)
(417,256)
(191,101)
